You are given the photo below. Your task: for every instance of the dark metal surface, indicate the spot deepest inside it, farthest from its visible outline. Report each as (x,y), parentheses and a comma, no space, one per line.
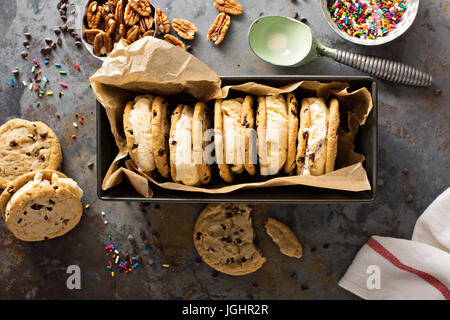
(413,134)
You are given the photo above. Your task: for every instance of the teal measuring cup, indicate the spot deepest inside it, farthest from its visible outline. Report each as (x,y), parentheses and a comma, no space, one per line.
(284,41)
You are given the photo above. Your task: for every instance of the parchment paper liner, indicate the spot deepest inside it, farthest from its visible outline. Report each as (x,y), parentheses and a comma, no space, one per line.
(154,66)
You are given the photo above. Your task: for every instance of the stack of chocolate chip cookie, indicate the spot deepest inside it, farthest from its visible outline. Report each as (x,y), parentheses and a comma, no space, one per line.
(37,202)
(184,141)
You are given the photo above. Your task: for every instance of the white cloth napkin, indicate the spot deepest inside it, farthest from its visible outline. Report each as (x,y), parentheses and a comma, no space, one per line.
(419,269)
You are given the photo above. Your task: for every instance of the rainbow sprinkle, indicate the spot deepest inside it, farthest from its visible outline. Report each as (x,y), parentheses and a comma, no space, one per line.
(367,19)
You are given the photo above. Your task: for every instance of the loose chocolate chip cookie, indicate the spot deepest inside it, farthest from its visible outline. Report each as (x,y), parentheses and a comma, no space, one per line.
(41,205)
(27,146)
(284,238)
(223,236)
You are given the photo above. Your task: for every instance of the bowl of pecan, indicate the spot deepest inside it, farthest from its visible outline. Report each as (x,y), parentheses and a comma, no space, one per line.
(106,22)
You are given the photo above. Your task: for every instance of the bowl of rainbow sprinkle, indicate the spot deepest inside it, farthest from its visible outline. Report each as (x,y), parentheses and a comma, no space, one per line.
(370,22)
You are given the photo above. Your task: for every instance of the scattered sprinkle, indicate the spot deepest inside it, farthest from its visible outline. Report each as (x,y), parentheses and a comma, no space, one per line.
(58,65)
(166,265)
(63,85)
(74,136)
(63,72)
(11,82)
(38,104)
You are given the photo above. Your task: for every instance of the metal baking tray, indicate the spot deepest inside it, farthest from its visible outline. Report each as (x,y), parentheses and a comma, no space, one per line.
(366,143)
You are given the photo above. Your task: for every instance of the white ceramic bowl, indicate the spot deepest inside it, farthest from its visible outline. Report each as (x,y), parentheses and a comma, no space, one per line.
(407,20)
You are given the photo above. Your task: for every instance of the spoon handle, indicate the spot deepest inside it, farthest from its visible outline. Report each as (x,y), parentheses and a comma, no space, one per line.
(385,69)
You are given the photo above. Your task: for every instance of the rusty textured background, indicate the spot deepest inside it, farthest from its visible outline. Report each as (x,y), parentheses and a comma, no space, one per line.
(414,126)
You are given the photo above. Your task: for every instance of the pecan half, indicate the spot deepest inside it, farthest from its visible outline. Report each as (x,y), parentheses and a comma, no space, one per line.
(118,13)
(184,28)
(145,23)
(150,33)
(110,28)
(93,15)
(133,34)
(219,28)
(130,16)
(122,30)
(102,44)
(142,7)
(175,41)
(228,6)
(90,35)
(162,22)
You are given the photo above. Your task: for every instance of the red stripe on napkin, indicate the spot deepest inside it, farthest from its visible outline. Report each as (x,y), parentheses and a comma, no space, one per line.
(382,251)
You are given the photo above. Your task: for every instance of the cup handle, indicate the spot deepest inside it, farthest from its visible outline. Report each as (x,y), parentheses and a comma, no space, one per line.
(385,69)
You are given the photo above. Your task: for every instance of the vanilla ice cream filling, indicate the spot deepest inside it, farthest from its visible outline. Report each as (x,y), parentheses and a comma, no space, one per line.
(316,146)
(276,135)
(140,120)
(186,170)
(38,182)
(232,134)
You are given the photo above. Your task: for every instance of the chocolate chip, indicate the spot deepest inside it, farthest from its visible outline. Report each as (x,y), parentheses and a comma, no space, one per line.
(405,171)
(305,135)
(155,113)
(45,218)
(210,250)
(57,31)
(13,143)
(51,201)
(27,35)
(227,239)
(59,42)
(160,152)
(42,158)
(10,190)
(53,46)
(198,260)
(326,245)
(189,48)
(78,43)
(301,160)
(238,241)
(49,208)
(24,213)
(55,187)
(303,19)
(131,239)
(15,72)
(26,43)
(63,18)
(36,206)
(229,214)
(134,146)
(63,27)
(90,165)
(43,135)
(199,234)
(48,40)
(20,220)
(173,142)
(24,54)
(223,227)
(294,14)
(243,259)
(312,156)
(409,198)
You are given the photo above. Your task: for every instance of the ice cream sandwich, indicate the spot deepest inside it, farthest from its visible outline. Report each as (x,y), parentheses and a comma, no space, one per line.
(317,136)
(146,130)
(187,143)
(234,137)
(272,122)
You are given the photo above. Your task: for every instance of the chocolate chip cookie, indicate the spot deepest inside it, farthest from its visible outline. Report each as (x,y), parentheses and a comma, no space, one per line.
(41,205)
(27,146)
(223,236)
